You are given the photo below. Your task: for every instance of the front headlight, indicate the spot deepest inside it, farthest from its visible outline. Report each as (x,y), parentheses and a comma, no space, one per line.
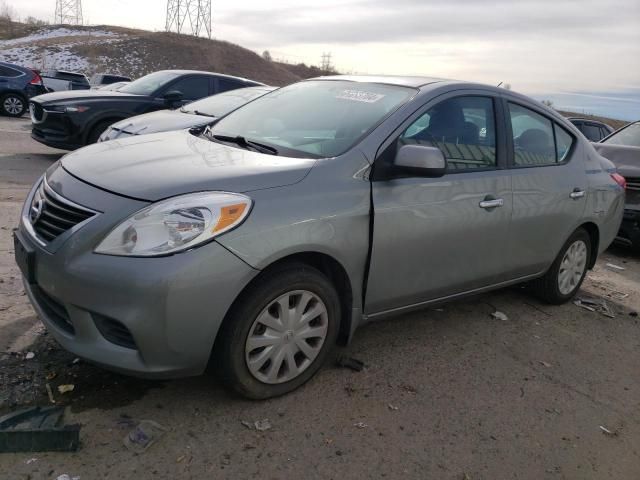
(176,224)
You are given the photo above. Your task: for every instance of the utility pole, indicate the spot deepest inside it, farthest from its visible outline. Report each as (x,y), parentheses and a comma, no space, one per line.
(325,64)
(68,12)
(189,16)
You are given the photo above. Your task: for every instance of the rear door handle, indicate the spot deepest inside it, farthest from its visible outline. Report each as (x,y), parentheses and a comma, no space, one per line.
(577,193)
(489,202)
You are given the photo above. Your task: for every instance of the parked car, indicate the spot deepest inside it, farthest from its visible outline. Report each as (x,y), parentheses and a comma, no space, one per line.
(112,87)
(196,114)
(17,85)
(592,129)
(101,79)
(71,120)
(258,244)
(623,149)
(58,79)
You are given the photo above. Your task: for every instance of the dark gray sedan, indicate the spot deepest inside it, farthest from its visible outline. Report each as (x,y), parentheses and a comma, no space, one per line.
(194,114)
(255,245)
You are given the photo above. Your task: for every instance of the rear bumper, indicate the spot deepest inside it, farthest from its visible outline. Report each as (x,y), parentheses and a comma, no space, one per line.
(629,233)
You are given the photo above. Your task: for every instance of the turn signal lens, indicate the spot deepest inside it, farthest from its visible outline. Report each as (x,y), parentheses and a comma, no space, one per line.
(619,179)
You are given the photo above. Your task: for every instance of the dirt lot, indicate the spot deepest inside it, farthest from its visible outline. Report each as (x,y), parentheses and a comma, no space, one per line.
(451,393)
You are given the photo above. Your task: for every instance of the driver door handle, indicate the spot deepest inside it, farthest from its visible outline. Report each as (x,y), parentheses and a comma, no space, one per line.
(577,193)
(489,202)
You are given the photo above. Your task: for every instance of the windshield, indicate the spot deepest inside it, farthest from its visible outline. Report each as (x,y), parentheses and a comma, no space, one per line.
(222,103)
(149,83)
(629,135)
(314,118)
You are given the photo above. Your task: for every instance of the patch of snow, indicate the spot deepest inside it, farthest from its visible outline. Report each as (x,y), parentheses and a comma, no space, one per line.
(58,57)
(46,33)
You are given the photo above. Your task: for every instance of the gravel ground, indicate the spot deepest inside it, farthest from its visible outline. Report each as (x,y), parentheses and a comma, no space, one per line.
(448,393)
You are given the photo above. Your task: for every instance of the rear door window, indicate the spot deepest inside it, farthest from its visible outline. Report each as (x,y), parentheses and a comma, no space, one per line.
(532,137)
(9,72)
(537,140)
(192,88)
(225,85)
(592,132)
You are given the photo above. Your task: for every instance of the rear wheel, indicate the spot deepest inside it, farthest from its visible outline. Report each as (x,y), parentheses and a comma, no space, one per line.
(564,278)
(279,333)
(13,105)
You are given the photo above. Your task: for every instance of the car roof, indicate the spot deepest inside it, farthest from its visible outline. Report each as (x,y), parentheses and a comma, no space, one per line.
(13,65)
(230,77)
(586,119)
(400,80)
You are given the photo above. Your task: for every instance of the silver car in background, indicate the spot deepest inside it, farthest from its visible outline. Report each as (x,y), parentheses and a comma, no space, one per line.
(195,114)
(256,245)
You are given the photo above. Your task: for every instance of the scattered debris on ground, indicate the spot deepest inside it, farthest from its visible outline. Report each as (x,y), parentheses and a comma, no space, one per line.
(500,316)
(38,429)
(351,363)
(392,407)
(360,425)
(66,388)
(615,267)
(262,425)
(143,436)
(610,433)
(593,304)
(259,425)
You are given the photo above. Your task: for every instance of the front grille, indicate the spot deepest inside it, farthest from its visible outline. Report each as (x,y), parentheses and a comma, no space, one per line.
(51,215)
(114,331)
(37,112)
(54,311)
(633,183)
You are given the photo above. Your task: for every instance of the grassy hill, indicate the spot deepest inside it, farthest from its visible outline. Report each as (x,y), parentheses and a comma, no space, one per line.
(135,53)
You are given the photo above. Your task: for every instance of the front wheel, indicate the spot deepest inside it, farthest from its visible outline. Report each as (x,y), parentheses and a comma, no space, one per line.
(13,105)
(279,332)
(564,278)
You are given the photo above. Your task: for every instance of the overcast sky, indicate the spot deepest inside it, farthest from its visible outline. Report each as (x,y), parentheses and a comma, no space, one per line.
(540,47)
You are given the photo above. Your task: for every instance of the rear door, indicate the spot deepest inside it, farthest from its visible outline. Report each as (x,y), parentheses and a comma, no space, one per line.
(435,237)
(549,186)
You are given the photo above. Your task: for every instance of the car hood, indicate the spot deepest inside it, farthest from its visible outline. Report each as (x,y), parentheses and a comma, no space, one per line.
(625,158)
(161,121)
(153,167)
(75,95)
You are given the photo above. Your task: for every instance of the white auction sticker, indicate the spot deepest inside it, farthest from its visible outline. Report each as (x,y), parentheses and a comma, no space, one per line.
(359,96)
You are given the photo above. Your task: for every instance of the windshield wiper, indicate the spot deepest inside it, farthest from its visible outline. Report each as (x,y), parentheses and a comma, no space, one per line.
(243,142)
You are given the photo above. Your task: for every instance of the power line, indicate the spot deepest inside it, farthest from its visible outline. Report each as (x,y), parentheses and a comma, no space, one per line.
(68,12)
(189,16)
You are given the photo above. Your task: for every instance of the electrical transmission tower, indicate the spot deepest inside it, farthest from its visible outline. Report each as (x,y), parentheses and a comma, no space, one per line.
(69,12)
(325,65)
(189,16)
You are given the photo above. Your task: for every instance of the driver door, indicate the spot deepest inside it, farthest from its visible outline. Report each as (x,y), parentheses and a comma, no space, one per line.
(436,237)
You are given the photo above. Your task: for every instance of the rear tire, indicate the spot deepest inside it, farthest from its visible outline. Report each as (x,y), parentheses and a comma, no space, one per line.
(277,297)
(13,105)
(563,280)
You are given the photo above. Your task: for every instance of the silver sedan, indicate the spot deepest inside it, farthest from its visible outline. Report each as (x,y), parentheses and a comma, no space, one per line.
(255,245)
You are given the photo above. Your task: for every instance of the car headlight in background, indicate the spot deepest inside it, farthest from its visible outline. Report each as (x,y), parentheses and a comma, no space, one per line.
(176,224)
(63,109)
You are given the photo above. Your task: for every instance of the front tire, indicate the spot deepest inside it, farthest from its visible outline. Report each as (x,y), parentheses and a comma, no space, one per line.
(279,332)
(13,105)
(564,278)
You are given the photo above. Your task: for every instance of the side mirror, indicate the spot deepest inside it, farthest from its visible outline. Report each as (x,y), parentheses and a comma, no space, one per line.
(172,98)
(421,161)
